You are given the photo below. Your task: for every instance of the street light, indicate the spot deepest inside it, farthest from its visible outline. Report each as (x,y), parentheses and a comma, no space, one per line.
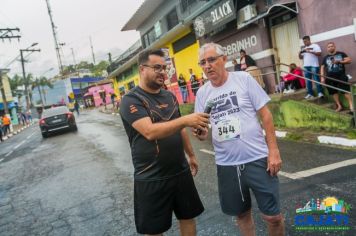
(24,73)
(4,72)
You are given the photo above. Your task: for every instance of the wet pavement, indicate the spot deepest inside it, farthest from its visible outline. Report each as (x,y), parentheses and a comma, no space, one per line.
(81,183)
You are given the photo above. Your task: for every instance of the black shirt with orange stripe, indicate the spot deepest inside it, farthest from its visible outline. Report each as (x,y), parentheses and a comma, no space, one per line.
(157,159)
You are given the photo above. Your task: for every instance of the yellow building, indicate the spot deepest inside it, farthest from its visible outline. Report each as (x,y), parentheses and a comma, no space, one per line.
(169,28)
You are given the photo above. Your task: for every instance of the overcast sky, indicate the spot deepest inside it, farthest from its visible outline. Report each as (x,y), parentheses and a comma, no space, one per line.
(76,21)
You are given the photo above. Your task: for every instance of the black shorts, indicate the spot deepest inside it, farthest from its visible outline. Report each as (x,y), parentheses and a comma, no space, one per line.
(235,182)
(337,84)
(155,201)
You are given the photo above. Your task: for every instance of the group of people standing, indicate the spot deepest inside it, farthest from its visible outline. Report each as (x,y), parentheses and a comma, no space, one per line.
(194,85)
(332,71)
(164,159)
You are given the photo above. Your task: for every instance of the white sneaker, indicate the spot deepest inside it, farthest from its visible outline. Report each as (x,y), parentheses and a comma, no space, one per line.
(285,91)
(309,96)
(290,91)
(320,95)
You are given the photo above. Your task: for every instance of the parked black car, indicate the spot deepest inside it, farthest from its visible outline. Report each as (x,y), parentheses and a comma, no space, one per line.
(55,119)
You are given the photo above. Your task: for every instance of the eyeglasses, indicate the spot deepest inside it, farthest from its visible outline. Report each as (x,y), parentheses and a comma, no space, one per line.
(209,60)
(157,68)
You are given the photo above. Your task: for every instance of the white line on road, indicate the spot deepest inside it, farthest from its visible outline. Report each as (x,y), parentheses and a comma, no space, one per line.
(30,136)
(9,153)
(322,169)
(1,159)
(18,145)
(310,172)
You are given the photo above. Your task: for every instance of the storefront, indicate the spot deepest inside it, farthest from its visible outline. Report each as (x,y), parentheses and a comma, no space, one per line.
(271,31)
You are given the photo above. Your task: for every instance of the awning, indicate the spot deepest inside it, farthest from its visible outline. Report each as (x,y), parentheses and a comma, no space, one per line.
(290,6)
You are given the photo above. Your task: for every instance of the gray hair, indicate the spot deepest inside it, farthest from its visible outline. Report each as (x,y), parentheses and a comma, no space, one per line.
(218,48)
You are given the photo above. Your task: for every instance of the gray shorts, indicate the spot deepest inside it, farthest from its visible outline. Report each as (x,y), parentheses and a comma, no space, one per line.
(235,183)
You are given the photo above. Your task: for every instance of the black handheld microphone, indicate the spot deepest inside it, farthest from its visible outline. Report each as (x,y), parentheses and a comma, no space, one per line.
(207,110)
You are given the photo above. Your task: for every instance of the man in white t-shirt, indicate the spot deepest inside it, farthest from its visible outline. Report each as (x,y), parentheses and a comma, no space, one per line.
(245,159)
(310,54)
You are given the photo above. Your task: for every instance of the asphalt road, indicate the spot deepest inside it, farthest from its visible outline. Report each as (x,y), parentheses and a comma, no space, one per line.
(81,183)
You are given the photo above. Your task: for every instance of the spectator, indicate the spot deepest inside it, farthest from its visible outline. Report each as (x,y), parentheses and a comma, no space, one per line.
(310,53)
(76,106)
(333,66)
(183,88)
(236,65)
(291,81)
(1,131)
(194,83)
(245,60)
(6,121)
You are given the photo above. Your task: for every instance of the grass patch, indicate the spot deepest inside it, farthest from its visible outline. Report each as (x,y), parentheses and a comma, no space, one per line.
(351,134)
(294,136)
(186,109)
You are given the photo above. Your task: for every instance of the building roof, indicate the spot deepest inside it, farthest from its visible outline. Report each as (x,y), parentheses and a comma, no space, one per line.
(142,13)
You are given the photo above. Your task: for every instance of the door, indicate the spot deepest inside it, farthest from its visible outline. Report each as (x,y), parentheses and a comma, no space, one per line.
(286,43)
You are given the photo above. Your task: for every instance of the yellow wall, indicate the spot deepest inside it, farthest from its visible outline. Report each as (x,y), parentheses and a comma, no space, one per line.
(186,59)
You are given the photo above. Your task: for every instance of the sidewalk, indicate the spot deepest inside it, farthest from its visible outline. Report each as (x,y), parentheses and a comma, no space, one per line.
(16,129)
(300,134)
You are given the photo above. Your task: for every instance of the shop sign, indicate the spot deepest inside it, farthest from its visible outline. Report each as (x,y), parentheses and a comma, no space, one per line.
(215,17)
(245,43)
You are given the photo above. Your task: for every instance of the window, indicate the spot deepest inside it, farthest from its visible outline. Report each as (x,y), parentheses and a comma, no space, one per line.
(184,42)
(149,37)
(172,19)
(185,4)
(158,30)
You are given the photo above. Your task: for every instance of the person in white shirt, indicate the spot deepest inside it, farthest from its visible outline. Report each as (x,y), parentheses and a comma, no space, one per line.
(310,54)
(245,159)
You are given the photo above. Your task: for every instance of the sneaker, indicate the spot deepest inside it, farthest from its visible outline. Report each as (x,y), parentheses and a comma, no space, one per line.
(309,96)
(285,91)
(320,95)
(290,91)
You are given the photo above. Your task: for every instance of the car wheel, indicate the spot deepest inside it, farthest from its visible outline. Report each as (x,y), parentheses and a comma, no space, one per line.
(44,135)
(75,128)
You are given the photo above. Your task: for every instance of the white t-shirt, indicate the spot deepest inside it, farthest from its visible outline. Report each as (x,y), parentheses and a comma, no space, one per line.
(237,133)
(309,58)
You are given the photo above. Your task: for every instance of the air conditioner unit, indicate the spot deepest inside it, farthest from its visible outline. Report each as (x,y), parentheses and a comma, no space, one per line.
(247,12)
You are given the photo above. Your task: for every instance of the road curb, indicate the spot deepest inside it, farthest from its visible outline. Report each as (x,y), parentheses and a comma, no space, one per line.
(13,133)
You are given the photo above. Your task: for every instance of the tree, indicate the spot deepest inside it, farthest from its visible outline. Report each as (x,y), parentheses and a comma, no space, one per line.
(15,82)
(99,68)
(39,83)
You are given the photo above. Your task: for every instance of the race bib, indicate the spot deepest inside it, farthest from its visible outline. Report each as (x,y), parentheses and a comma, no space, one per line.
(227,129)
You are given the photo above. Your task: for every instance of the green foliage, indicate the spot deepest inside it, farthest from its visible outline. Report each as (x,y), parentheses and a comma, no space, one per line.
(351,134)
(294,136)
(186,109)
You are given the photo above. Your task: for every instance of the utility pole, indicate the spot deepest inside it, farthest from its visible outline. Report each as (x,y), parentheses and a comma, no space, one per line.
(92,50)
(26,82)
(110,59)
(6,33)
(60,65)
(75,62)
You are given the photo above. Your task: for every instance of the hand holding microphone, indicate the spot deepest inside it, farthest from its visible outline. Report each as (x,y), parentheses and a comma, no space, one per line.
(207,110)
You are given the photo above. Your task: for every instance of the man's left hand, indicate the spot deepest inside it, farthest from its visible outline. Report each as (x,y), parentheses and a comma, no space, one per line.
(274,162)
(193,164)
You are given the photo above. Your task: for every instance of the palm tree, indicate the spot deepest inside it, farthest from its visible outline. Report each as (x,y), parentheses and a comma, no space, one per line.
(39,83)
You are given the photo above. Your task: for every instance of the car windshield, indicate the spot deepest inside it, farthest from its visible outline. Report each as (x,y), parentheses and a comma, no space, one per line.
(54,111)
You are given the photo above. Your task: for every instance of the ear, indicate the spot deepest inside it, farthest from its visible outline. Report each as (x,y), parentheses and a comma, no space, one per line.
(140,68)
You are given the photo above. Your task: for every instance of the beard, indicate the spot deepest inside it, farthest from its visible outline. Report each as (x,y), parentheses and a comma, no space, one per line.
(154,84)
